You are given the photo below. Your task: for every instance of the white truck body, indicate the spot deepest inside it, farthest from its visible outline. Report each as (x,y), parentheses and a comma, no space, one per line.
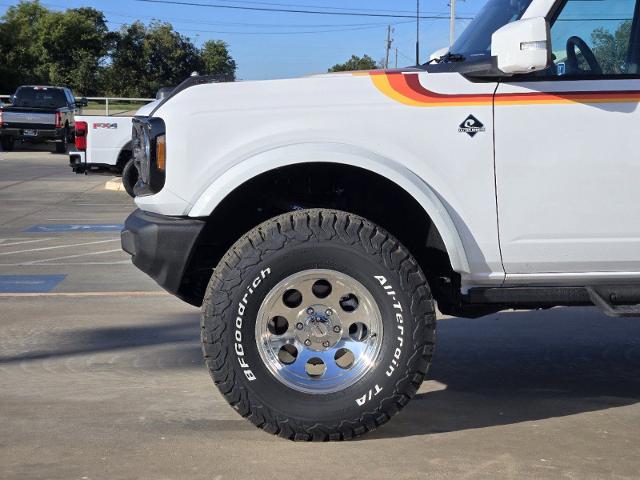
(108,139)
(521,201)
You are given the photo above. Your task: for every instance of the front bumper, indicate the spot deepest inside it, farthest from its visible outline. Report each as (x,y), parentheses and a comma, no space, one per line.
(161,246)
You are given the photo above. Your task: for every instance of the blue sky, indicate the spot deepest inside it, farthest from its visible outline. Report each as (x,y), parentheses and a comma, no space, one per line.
(261,49)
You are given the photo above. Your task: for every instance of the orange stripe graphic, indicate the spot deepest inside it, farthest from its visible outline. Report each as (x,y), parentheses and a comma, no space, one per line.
(407,89)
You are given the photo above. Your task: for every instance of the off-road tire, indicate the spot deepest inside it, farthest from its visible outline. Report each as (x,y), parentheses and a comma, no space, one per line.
(7,143)
(317,239)
(130,177)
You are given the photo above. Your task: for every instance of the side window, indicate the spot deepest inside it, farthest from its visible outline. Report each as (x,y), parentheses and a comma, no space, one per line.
(70,98)
(593,38)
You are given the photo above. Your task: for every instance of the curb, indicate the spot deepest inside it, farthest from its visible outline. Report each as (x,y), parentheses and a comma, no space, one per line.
(114,184)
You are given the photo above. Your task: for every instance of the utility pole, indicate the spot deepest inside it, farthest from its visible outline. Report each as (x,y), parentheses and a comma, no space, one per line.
(389,43)
(417,32)
(452,23)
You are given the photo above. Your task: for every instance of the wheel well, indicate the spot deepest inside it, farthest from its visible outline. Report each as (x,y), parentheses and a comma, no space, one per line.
(124,156)
(320,185)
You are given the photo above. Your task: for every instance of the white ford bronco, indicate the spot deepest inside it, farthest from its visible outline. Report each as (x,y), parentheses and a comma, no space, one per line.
(318,221)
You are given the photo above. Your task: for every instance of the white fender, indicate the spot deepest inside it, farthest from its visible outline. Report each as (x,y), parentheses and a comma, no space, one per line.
(249,168)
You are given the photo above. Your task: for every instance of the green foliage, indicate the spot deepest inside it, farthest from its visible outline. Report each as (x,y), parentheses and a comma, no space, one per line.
(76,48)
(611,49)
(355,63)
(217,60)
(146,59)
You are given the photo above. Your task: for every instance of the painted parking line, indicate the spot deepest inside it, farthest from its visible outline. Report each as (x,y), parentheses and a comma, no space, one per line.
(56,247)
(74,228)
(84,294)
(29,283)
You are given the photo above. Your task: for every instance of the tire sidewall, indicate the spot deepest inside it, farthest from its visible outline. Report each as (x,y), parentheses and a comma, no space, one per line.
(378,383)
(129,177)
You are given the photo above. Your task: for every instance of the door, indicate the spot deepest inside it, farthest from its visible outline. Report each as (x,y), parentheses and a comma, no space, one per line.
(566,151)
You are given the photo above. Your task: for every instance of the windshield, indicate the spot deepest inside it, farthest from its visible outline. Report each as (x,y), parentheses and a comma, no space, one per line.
(475,41)
(40,97)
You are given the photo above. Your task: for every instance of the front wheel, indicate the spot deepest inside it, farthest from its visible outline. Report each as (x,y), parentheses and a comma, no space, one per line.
(318,325)
(130,177)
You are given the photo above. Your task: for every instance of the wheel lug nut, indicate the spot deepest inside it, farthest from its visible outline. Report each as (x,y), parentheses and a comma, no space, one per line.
(310,311)
(299,326)
(329,312)
(325,344)
(307,342)
(337,329)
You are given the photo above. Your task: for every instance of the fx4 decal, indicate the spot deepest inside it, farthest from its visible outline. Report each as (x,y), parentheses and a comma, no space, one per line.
(109,126)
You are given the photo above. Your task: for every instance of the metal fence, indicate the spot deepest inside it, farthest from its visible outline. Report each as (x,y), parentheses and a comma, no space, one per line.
(109,105)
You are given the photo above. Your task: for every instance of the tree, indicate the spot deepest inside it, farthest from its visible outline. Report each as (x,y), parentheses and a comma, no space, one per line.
(75,46)
(126,73)
(19,50)
(41,46)
(146,59)
(216,59)
(611,49)
(355,63)
(170,57)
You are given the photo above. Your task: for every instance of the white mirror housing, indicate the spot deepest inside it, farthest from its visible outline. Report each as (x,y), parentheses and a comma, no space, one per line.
(522,46)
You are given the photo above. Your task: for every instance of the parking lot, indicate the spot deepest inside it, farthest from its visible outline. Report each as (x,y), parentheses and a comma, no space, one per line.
(101,374)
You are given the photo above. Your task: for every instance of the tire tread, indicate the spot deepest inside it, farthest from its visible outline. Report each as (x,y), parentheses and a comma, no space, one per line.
(303,226)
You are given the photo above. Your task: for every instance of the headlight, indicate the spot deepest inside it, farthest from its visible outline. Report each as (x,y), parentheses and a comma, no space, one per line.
(149,154)
(142,150)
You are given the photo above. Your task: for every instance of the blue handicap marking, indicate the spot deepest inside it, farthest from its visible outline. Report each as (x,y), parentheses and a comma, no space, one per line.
(29,283)
(75,228)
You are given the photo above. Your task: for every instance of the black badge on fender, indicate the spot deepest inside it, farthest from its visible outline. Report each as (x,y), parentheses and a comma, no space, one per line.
(471,126)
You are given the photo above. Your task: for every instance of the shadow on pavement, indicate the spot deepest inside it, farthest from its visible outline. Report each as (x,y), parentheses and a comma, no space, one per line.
(181,333)
(524,366)
(497,370)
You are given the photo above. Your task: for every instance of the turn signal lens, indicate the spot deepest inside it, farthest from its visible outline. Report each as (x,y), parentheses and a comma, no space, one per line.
(161,152)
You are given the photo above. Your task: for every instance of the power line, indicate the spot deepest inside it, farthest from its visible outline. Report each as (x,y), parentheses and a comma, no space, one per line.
(292,10)
(265,33)
(323,7)
(230,24)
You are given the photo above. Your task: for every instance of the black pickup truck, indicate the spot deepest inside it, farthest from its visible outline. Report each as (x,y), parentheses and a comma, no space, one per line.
(39,114)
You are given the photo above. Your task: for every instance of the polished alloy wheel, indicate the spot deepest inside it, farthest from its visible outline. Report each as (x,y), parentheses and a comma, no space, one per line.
(319,331)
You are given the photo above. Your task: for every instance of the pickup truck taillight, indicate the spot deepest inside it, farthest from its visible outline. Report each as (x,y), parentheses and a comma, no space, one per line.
(58,120)
(82,128)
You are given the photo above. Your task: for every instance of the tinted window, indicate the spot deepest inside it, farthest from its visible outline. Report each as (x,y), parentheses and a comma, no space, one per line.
(40,97)
(593,38)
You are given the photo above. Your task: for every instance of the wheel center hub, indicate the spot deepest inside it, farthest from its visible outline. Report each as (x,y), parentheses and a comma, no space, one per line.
(318,327)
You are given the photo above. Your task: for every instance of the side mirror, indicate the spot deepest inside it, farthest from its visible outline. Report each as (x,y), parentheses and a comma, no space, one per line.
(522,46)
(12,99)
(82,102)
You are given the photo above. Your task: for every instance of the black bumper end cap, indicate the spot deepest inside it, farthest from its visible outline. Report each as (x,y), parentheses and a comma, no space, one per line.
(161,246)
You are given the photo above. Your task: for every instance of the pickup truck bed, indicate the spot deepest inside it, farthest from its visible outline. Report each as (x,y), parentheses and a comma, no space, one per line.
(106,145)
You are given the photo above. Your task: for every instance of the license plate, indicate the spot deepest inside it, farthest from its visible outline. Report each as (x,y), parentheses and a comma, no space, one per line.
(30,133)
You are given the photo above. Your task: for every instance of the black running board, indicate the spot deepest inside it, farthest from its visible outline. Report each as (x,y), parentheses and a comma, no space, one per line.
(609,308)
(613,300)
